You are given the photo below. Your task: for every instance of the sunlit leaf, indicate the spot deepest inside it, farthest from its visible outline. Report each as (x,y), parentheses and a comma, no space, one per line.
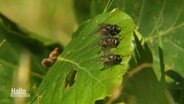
(83,55)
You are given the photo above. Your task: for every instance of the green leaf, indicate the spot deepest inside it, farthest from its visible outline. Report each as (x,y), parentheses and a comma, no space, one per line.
(141,85)
(160,20)
(83,55)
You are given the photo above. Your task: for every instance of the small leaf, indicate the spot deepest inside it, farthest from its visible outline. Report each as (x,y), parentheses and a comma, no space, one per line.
(177,87)
(162,65)
(174,75)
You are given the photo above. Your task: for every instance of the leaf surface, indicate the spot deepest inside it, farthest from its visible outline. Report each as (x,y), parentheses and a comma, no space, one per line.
(83,55)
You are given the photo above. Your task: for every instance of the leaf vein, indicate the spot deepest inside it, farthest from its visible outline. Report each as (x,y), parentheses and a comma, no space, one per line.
(176,45)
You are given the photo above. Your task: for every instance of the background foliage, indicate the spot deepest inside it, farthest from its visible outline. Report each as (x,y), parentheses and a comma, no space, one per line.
(42,25)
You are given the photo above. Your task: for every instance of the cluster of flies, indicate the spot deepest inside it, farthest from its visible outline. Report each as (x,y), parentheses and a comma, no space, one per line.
(108,41)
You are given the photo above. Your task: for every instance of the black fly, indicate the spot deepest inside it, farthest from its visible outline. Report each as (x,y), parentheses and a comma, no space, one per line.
(110,42)
(111,59)
(108,30)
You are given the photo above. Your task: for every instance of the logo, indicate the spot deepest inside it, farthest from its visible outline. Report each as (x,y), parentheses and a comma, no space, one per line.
(19,92)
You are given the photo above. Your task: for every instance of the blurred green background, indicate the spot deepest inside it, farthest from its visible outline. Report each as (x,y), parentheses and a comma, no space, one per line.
(51,20)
